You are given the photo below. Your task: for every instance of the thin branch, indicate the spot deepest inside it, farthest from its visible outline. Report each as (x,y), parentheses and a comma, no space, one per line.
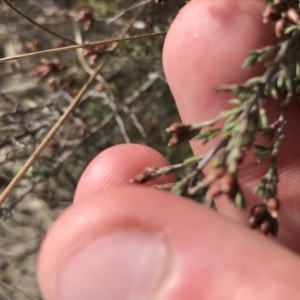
(117,117)
(67,48)
(146,85)
(120,14)
(266,78)
(9,4)
(134,120)
(65,115)
(81,58)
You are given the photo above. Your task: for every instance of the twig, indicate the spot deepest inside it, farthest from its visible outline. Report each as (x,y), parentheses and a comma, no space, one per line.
(266,78)
(113,19)
(202,163)
(8,3)
(117,117)
(146,85)
(62,119)
(81,58)
(67,48)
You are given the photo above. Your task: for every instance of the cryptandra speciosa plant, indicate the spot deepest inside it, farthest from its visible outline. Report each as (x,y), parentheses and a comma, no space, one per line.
(242,123)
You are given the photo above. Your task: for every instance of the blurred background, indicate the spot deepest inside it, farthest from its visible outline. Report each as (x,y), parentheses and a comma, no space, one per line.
(130,102)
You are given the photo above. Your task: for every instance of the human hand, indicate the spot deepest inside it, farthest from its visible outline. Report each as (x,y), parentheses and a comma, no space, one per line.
(119,241)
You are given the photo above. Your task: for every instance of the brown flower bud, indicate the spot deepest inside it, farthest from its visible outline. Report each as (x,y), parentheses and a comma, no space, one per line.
(32,45)
(180,133)
(279,27)
(270,14)
(213,175)
(148,174)
(100,87)
(53,82)
(84,14)
(227,183)
(259,218)
(258,212)
(265,227)
(214,190)
(272,207)
(269,226)
(293,16)
(175,127)
(252,222)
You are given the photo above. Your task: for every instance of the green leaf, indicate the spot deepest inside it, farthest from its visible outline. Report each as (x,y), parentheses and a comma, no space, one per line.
(250,60)
(178,187)
(271,63)
(230,119)
(265,55)
(231,112)
(263,120)
(273,92)
(240,201)
(280,79)
(290,29)
(207,135)
(235,101)
(269,132)
(253,80)
(192,159)
(216,163)
(263,152)
(288,84)
(229,127)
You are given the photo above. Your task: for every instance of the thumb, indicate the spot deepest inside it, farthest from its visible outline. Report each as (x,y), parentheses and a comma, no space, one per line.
(138,243)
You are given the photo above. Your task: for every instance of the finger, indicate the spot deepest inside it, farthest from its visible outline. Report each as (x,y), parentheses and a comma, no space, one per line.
(117,166)
(205,47)
(139,243)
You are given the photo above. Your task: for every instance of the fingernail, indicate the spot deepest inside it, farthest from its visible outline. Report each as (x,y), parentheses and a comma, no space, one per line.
(127,264)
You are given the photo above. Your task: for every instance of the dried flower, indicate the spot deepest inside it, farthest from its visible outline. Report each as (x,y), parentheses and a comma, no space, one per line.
(272,207)
(279,27)
(86,17)
(180,133)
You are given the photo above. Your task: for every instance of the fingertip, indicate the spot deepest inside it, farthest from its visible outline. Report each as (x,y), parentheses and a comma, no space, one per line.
(116,166)
(205,47)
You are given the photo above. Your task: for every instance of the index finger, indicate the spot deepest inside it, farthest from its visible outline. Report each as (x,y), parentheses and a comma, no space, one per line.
(206,47)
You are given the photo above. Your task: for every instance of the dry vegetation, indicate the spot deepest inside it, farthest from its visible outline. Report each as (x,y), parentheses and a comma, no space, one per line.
(128,102)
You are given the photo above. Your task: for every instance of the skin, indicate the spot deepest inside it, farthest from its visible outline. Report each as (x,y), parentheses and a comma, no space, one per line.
(206,45)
